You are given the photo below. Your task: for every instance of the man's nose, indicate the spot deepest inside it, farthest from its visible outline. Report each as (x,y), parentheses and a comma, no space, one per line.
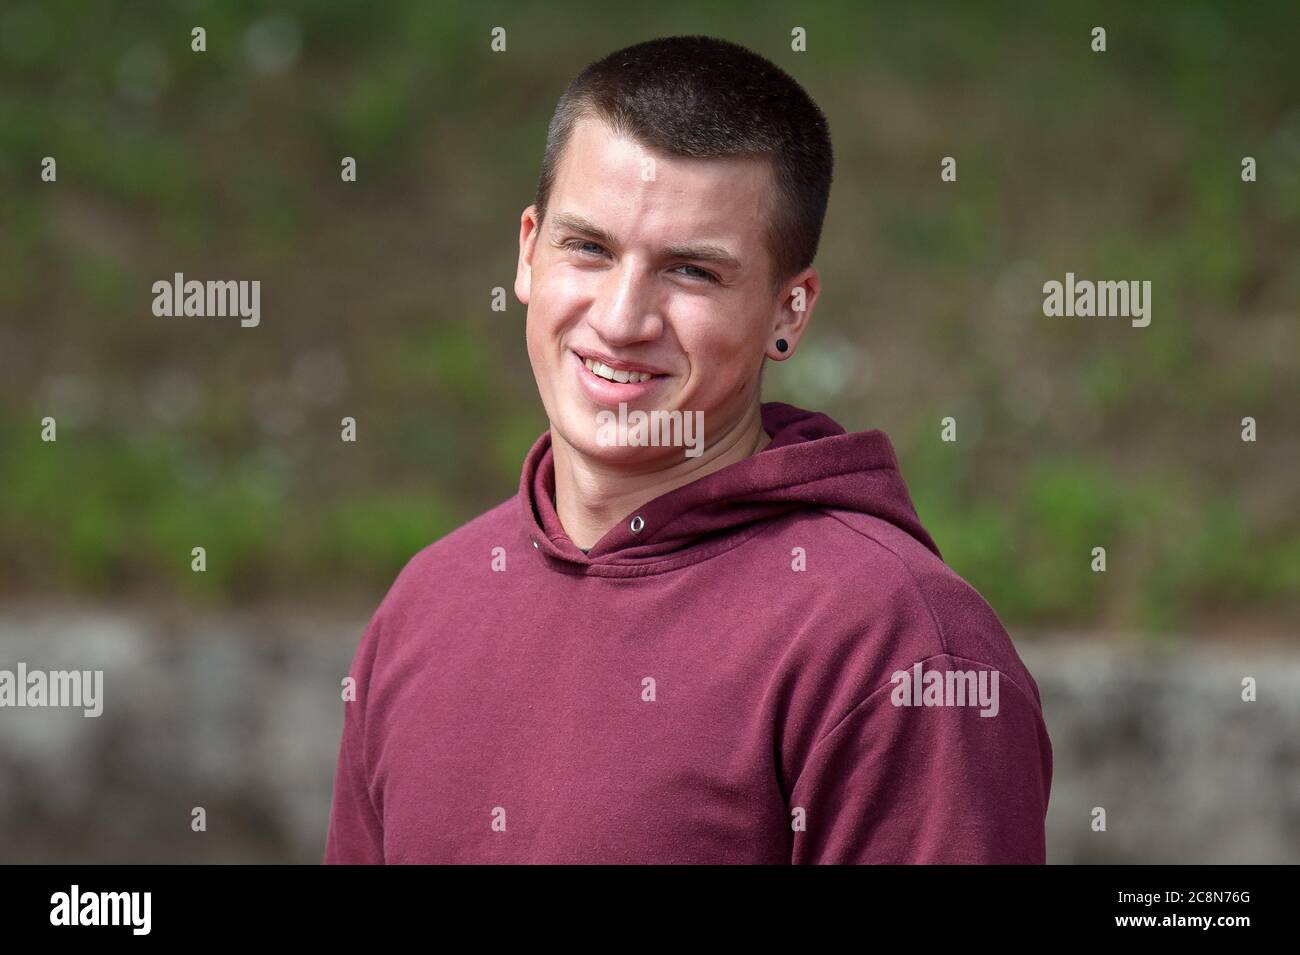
(627,308)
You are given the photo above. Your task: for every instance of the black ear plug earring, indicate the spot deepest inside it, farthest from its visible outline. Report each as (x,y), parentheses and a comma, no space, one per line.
(782,345)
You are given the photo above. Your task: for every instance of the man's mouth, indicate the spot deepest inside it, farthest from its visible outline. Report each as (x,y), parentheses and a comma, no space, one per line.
(607,380)
(620,375)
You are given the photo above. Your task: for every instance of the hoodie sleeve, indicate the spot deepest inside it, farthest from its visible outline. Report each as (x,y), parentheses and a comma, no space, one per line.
(356,832)
(927,784)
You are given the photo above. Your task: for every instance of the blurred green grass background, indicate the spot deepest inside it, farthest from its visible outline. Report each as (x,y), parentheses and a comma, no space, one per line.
(1072,433)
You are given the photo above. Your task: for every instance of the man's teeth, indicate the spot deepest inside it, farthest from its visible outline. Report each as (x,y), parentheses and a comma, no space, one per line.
(611,374)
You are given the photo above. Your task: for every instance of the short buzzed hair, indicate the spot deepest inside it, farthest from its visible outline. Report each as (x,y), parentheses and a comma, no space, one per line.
(706,98)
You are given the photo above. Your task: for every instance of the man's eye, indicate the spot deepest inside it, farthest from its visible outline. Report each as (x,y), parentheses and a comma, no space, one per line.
(700,273)
(587,247)
(581,246)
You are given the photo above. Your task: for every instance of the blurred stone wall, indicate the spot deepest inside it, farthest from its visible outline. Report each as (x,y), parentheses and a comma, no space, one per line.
(240,714)
(1161,738)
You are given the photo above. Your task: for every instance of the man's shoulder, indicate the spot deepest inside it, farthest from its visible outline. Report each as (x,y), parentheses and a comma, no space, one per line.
(473,540)
(846,547)
(881,571)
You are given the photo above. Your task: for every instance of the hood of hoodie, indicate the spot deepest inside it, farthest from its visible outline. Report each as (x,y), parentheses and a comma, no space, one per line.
(811,463)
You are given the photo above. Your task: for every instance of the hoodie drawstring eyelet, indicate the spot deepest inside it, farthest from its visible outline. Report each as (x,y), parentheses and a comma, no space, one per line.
(637,524)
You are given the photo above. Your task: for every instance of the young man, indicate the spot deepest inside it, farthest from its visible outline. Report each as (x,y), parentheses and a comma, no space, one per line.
(726,638)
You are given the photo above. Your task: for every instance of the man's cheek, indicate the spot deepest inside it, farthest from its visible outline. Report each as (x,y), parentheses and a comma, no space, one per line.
(555,302)
(722,357)
(540,336)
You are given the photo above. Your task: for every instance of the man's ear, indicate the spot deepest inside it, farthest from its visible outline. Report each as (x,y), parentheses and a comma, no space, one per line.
(528,229)
(794,310)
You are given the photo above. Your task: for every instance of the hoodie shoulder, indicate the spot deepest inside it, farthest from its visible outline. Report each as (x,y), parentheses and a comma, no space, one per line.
(946,614)
(446,556)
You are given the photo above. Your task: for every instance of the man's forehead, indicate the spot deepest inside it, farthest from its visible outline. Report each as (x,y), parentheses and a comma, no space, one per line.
(613,182)
(594,144)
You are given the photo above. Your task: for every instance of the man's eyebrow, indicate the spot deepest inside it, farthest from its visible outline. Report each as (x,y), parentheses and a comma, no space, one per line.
(704,253)
(571,222)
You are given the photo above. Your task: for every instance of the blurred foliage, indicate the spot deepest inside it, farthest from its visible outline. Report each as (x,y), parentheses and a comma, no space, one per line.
(1072,434)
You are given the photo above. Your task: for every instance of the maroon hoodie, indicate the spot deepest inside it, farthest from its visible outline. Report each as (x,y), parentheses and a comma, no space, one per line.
(770,664)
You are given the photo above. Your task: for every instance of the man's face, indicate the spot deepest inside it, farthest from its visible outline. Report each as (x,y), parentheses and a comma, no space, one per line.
(651,264)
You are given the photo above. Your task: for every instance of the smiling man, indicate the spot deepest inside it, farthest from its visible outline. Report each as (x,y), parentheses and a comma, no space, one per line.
(751,654)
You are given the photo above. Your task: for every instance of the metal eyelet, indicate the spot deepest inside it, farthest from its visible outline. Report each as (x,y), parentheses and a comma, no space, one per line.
(637,524)
(535,544)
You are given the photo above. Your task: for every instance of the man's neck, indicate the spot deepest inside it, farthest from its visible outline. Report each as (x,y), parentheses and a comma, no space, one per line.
(591,497)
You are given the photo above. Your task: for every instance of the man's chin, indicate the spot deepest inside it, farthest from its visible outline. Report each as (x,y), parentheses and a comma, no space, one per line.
(632,435)
(630,456)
